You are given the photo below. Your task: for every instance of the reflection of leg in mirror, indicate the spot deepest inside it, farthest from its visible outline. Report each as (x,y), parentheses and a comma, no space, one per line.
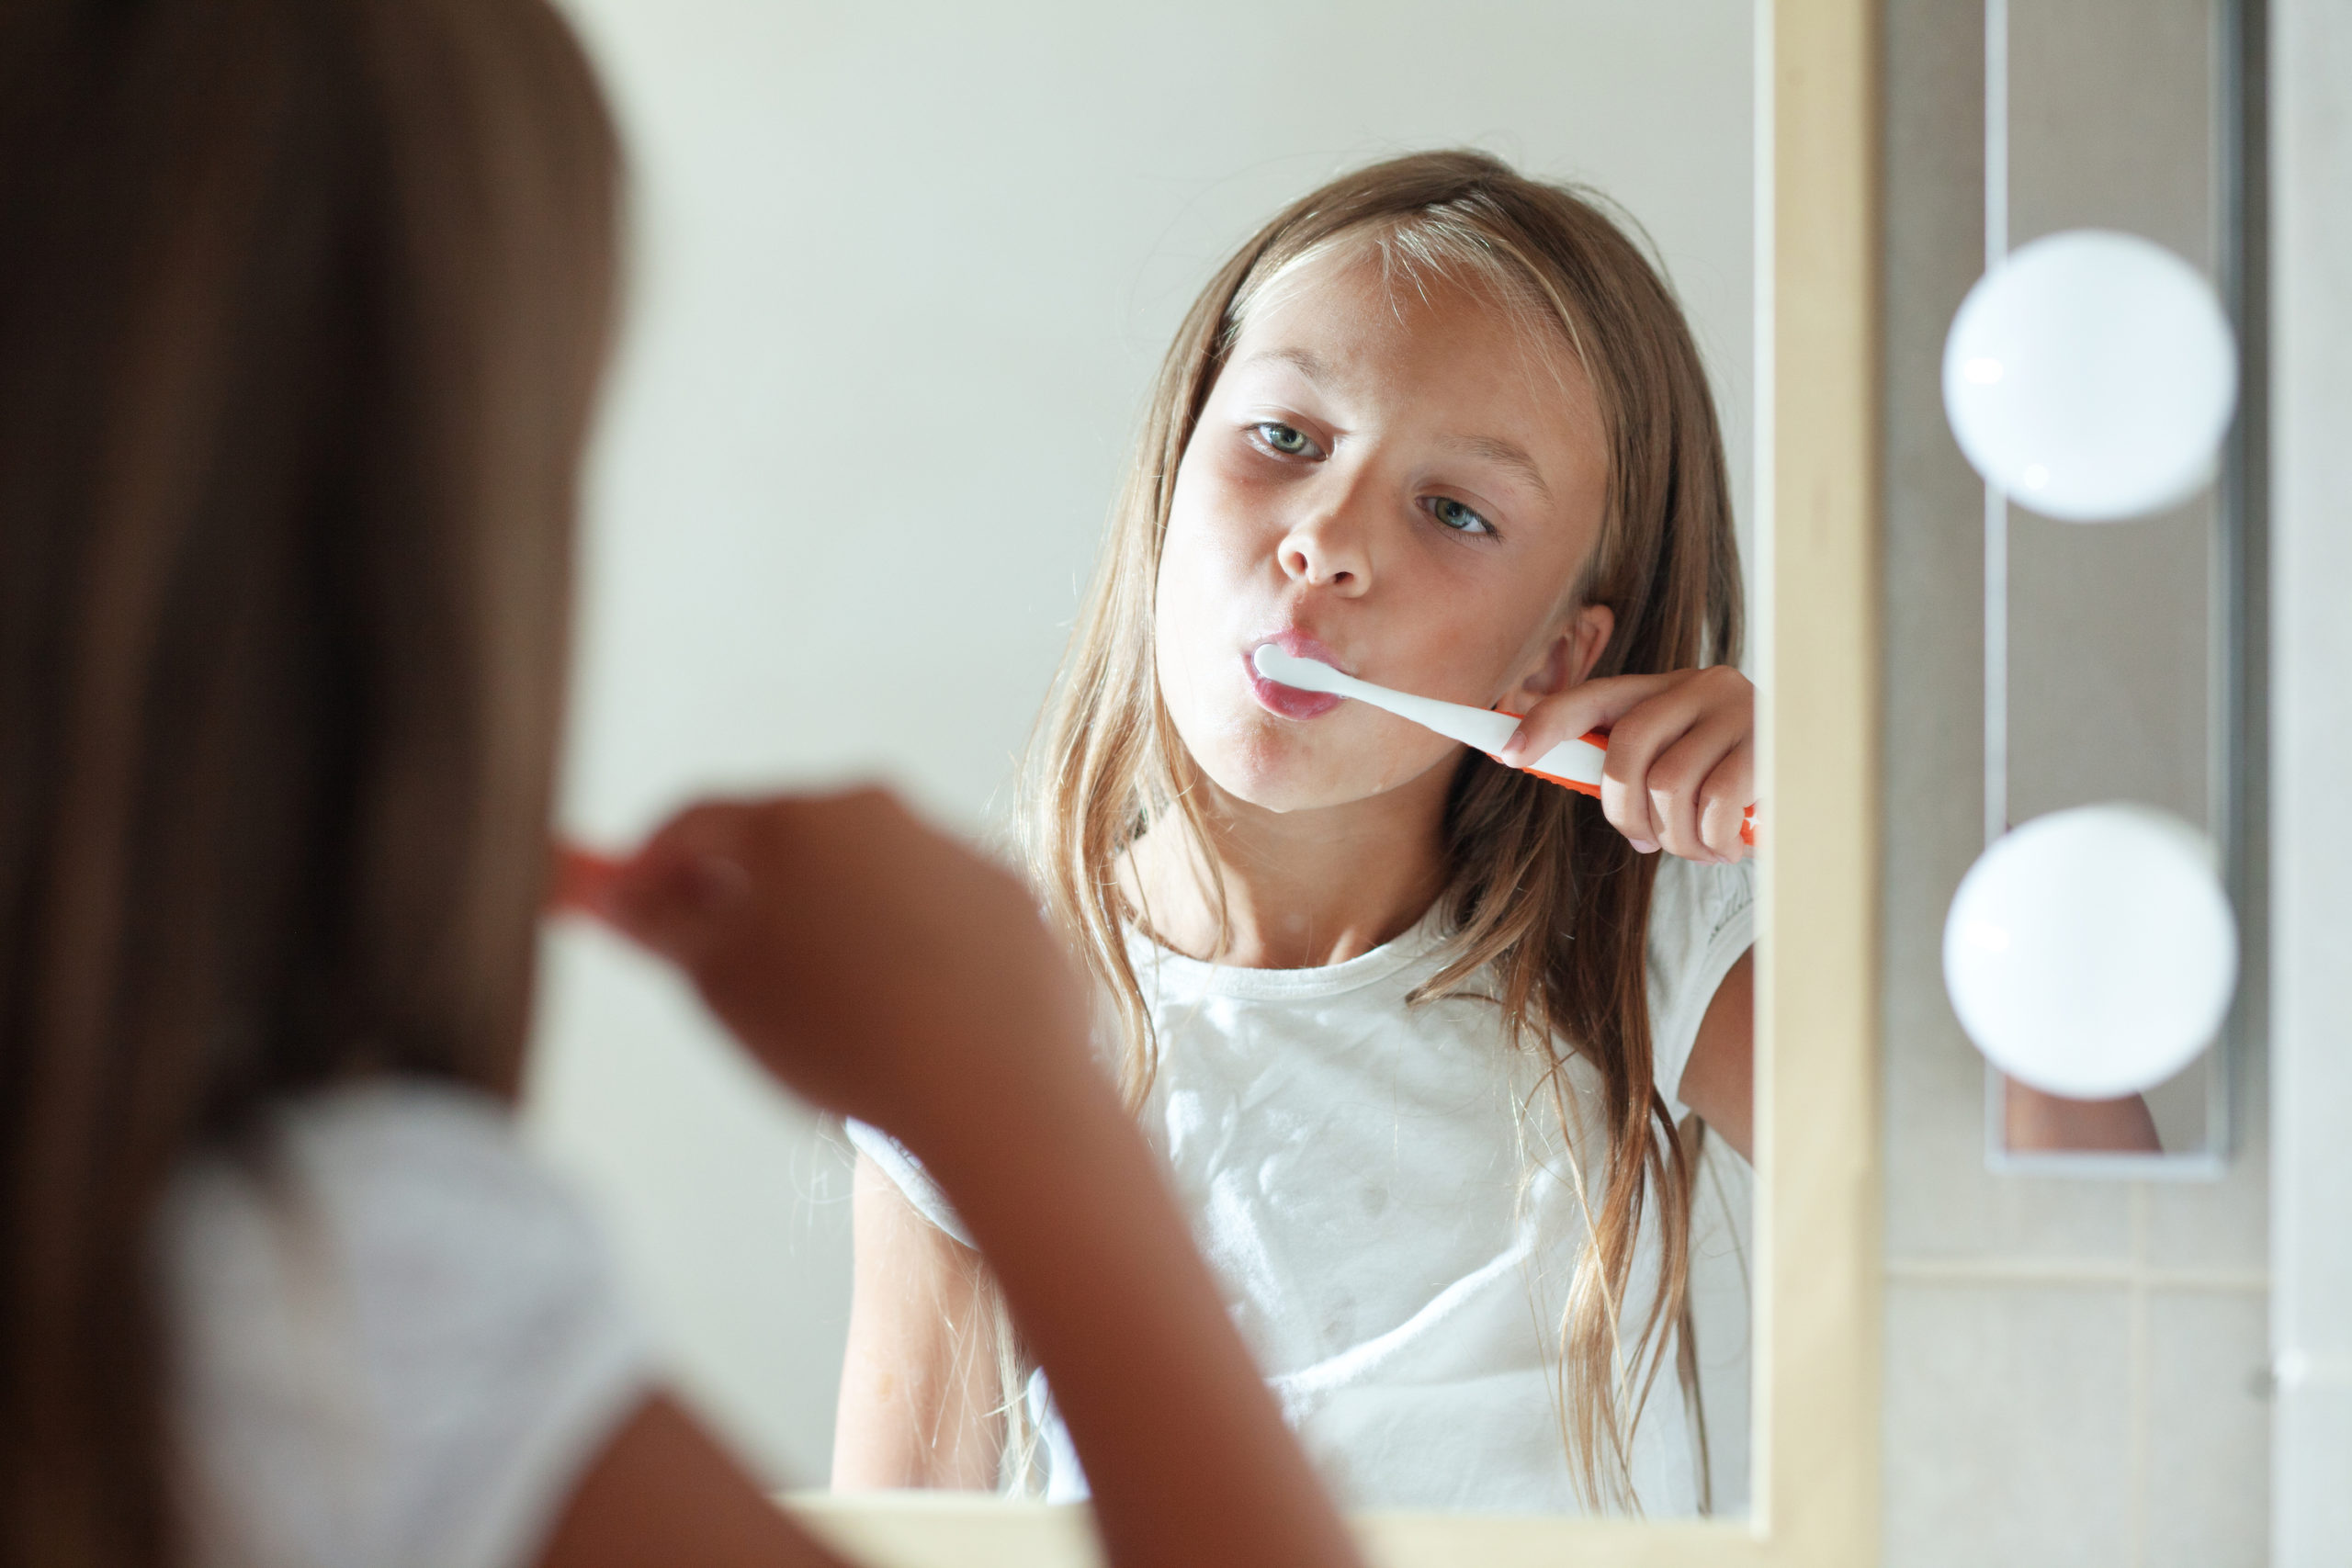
(2040,1121)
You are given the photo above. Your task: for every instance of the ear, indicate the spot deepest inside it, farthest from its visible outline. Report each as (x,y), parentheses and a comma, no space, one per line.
(1566,659)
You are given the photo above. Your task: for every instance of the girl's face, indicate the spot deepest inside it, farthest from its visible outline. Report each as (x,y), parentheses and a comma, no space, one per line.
(1394,481)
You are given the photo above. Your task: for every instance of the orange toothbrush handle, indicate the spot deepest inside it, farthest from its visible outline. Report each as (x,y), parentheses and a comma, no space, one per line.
(1600,738)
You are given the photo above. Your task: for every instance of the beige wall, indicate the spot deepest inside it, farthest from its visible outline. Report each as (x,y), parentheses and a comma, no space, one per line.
(2074,1369)
(903,271)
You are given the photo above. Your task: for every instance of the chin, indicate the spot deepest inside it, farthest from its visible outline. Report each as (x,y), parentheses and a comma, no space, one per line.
(1282,772)
(1283,793)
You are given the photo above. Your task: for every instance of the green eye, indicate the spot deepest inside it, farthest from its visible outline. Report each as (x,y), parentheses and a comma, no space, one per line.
(1453,514)
(1290,443)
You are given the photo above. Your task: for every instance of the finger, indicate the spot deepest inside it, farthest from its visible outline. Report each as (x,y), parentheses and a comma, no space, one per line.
(839,851)
(707,824)
(1627,807)
(1674,821)
(1641,735)
(1677,782)
(1674,818)
(1595,704)
(674,896)
(1672,786)
(1729,791)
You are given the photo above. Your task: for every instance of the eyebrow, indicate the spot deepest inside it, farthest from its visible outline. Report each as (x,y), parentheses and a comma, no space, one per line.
(1298,359)
(1505,454)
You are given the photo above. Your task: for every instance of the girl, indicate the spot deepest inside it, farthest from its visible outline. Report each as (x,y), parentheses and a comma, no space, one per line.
(1412,1028)
(302,308)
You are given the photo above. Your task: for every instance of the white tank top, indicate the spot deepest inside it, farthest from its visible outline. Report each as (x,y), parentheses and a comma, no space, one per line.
(399,1342)
(1382,1195)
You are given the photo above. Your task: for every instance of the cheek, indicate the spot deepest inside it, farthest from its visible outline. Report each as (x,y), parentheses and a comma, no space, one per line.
(1183,601)
(1462,637)
(1506,646)
(1206,566)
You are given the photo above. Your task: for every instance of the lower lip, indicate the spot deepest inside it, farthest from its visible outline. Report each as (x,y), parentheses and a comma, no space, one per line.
(1287,701)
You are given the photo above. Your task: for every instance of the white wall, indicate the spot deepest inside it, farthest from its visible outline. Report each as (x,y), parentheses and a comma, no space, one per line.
(2311,716)
(902,274)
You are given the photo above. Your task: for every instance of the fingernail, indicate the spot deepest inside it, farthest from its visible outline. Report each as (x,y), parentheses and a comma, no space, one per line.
(1643,846)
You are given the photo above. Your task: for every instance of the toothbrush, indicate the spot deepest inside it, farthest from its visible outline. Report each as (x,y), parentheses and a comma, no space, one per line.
(1573,764)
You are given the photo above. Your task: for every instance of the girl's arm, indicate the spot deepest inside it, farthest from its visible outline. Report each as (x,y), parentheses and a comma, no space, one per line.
(665,1492)
(1719,1080)
(888,973)
(2038,1121)
(920,1385)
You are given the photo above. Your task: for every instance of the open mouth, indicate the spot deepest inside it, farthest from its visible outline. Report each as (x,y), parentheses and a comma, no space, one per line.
(1289,701)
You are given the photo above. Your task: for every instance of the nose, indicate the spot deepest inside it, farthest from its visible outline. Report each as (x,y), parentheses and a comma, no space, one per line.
(1329,548)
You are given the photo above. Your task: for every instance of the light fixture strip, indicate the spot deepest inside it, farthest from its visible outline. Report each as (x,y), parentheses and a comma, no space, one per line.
(1996,501)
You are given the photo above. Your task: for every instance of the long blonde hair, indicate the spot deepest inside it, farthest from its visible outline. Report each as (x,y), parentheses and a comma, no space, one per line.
(1547,904)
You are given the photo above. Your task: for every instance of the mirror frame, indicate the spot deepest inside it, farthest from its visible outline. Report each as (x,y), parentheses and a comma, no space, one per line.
(1815,1491)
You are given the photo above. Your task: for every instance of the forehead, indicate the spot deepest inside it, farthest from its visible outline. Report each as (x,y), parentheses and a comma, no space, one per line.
(1359,322)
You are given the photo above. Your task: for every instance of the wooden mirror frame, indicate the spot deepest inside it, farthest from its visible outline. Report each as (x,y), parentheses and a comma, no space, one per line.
(1815,1473)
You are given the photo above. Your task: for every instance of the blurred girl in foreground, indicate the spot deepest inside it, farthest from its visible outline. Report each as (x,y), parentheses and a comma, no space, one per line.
(302,308)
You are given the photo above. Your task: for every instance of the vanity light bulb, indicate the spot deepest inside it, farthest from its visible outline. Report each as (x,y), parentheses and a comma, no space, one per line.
(2091,376)
(2092,952)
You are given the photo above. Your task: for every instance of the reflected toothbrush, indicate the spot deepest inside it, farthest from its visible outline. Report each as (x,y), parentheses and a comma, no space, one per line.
(1575,765)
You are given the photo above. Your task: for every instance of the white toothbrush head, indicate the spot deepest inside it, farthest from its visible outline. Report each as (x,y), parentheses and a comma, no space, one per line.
(1299,674)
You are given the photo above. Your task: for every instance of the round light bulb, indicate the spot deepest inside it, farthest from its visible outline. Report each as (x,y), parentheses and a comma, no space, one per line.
(2092,952)
(2092,375)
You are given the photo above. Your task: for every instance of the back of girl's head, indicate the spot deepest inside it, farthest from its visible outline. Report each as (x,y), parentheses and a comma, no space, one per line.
(1542,895)
(303,303)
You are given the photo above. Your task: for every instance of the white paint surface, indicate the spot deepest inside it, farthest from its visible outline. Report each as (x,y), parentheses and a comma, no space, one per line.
(2311,726)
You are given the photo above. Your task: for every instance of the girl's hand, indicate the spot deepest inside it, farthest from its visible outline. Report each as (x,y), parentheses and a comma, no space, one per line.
(1681,766)
(876,966)
(887,971)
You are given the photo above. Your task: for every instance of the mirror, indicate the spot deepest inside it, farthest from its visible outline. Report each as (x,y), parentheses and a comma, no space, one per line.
(901,286)
(2120,655)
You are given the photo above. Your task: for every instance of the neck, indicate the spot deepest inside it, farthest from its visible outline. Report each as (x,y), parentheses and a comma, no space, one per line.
(1302,888)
